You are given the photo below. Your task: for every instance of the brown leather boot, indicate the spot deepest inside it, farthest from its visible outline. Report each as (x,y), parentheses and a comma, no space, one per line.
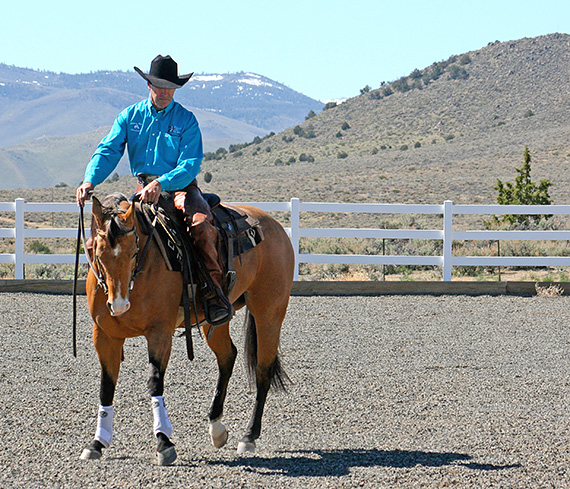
(219,308)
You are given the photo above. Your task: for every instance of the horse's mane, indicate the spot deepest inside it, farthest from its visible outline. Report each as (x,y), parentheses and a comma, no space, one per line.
(111,207)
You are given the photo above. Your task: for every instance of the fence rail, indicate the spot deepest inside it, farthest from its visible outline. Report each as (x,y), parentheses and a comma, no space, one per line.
(295,231)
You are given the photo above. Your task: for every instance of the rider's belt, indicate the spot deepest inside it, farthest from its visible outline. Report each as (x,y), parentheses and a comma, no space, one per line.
(145,179)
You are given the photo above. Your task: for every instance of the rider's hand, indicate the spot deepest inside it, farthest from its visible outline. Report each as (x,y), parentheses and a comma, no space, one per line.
(83,193)
(151,192)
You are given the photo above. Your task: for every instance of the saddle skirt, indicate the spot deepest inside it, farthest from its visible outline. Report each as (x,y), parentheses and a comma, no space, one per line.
(237,232)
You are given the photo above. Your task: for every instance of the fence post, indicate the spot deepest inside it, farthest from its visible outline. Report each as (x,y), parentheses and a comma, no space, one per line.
(295,220)
(447,239)
(19,240)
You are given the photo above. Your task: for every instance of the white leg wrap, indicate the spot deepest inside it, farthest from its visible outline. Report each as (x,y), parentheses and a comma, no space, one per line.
(161,421)
(104,432)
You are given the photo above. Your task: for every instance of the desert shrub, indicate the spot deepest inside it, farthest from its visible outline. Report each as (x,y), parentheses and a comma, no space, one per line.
(38,247)
(528,113)
(404,147)
(522,192)
(310,115)
(416,74)
(329,105)
(418,144)
(291,160)
(401,85)
(341,155)
(207,177)
(338,134)
(345,126)
(278,162)
(465,59)
(457,73)
(305,157)
(448,137)
(387,91)
(364,90)
(310,133)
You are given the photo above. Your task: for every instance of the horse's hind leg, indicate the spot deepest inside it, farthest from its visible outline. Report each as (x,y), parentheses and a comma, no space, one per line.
(226,352)
(262,343)
(159,348)
(110,352)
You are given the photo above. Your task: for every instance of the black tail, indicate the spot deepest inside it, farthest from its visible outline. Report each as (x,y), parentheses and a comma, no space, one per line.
(278,377)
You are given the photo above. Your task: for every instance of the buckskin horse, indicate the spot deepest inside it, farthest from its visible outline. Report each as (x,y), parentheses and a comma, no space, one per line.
(127,298)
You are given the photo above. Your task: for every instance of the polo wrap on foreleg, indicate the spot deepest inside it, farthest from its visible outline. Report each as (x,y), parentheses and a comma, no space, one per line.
(104,432)
(161,421)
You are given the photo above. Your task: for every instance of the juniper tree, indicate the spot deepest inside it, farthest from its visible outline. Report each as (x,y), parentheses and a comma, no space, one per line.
(522,192)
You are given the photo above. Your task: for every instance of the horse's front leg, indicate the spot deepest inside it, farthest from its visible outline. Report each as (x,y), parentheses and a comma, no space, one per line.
(159,348)
(226,352)
(110,351)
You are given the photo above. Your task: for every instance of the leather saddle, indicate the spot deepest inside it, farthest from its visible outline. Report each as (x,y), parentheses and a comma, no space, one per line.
(237,234)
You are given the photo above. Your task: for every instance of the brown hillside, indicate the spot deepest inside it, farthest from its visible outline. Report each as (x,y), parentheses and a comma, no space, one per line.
(463,130)
(469,131)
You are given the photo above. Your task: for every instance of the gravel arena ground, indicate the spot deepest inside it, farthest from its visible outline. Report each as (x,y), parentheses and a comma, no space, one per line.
(388,391)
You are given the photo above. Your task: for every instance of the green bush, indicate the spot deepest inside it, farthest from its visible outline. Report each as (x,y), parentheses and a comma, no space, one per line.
(522,192)
(401,85)
(38,247)
(207,177)
(345,126)
(341,155)
(457,73)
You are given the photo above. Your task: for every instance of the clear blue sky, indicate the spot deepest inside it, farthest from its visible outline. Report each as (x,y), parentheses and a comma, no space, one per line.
(325,49)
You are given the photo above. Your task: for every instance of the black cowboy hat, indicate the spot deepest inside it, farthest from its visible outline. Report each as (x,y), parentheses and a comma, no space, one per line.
(164,73)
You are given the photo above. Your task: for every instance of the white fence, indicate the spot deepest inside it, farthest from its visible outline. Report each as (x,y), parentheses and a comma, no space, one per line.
(446,260)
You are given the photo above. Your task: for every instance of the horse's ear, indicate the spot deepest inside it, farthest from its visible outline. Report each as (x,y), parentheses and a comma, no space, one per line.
(97,211)
(129,215)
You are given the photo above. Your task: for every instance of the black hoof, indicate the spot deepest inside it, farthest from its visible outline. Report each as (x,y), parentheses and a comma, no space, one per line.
(93,452)
(165,452)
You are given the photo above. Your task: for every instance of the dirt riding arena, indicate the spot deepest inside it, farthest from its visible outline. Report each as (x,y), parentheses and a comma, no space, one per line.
(389,391)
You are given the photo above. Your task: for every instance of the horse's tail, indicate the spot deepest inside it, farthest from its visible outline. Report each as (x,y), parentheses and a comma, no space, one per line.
(277,375)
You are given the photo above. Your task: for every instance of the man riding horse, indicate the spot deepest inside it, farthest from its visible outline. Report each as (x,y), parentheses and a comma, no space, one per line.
(164,144)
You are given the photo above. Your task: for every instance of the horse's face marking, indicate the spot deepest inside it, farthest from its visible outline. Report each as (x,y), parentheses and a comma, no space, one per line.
(116,255)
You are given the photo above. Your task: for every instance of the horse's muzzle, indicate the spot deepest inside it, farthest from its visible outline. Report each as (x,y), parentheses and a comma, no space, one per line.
(118,306)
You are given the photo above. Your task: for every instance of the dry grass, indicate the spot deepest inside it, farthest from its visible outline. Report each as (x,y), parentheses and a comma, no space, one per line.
(553,290)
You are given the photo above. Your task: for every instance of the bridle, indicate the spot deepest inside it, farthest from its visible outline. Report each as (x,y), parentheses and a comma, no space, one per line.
(97,267)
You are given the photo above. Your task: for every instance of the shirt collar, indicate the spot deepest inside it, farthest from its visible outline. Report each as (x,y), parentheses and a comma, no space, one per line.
(155,113)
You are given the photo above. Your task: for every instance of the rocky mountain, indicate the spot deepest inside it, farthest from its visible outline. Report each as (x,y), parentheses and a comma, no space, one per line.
(445,131)
(231,109)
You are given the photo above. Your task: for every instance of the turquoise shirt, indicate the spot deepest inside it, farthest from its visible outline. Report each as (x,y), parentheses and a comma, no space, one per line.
(166,143)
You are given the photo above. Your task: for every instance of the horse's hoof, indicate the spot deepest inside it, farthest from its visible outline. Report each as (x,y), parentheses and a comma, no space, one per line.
(246,447)
(90,454)
(166,456)
(93,452)
(218,434)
